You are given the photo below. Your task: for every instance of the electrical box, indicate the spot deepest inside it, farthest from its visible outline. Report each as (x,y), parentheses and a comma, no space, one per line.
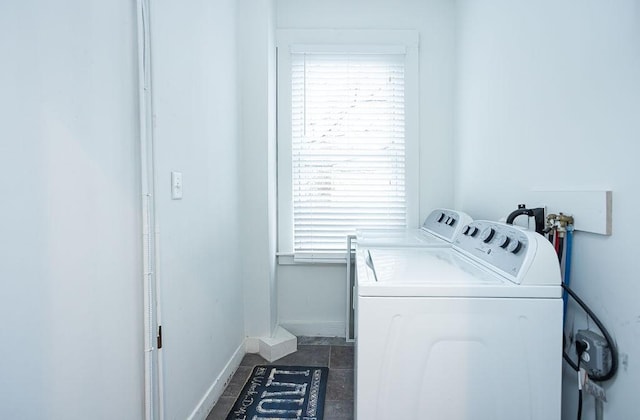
(597,357)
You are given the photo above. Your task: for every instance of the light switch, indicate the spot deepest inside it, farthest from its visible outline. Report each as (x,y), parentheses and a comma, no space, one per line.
(176,185)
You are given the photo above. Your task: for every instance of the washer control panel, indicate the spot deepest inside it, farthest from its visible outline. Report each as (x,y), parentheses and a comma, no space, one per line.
(446,223)
(504,248)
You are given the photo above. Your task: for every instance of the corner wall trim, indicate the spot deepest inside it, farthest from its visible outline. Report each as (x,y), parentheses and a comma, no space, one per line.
(280,344)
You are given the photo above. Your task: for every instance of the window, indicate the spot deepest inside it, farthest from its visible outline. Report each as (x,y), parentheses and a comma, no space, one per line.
(344,143)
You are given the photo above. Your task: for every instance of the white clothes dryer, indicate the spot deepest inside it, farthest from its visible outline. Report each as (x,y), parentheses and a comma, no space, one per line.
(472,332)
(438,230)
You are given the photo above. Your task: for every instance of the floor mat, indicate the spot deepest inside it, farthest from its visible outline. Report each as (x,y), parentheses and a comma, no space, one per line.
(282,392)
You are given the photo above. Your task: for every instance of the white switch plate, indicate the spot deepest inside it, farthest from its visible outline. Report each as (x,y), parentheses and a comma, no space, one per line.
(176,185)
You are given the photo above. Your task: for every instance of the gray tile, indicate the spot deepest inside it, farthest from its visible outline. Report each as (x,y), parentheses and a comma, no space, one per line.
(323,341)
(253,359)
(341,357)
(237,381)
(339,399)
(222,408)
(340,384)
(338,410)
(306,356)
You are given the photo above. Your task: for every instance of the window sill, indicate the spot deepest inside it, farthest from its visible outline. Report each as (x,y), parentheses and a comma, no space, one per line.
(317,259)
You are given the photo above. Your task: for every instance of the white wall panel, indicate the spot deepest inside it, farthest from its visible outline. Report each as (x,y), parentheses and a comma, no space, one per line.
(313,304)
(549,97)
(195,108)
(256,72)
(70,251)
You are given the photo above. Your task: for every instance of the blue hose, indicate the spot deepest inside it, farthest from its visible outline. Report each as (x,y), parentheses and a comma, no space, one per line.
(567,265)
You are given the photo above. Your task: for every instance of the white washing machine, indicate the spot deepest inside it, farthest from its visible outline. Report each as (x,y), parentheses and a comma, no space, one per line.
(438,230)
(468,332)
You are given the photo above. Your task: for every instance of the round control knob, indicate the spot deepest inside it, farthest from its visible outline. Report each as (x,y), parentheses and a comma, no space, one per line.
(473,231)
(503,240)
(487,234)
(466,229)
(441,218)
(451,221)
(514,246)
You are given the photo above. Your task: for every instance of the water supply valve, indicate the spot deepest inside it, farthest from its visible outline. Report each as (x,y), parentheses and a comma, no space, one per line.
(558,222)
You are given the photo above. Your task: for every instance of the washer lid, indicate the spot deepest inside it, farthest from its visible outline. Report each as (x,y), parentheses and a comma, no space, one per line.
(416,266)
(435,272)
(400,237)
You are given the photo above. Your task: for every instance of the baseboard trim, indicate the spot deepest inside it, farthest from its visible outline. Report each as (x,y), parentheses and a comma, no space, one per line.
(218,386)
(315,329)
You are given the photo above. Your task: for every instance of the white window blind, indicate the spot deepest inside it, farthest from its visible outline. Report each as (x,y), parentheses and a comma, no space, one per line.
(348,147)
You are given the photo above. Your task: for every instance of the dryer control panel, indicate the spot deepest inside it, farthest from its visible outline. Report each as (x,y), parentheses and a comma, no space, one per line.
(504,248)
(446,223)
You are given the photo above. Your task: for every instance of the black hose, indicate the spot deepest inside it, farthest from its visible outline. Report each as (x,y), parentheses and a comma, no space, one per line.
(560,248)
(579,404)
(521,211)
(537,214)
(580,349)
(612,346)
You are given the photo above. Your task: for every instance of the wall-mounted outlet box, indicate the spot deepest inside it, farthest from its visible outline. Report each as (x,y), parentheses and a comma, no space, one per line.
(597,357)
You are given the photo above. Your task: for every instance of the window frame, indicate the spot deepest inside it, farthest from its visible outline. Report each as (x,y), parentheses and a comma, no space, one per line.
(356,41)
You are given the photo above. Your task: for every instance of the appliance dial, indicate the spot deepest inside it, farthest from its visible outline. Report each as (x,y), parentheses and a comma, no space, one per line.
(503,240)
(514,246)
(487,234)
(473,231)
(441,218)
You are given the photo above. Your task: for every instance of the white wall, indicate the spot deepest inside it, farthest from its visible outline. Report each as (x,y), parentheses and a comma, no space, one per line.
(256,73)
(312,299)
(195,107)
(435,22)
(549,96)
(71,336)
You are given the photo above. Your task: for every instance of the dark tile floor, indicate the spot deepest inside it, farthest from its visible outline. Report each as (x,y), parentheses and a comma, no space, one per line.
(334,353)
